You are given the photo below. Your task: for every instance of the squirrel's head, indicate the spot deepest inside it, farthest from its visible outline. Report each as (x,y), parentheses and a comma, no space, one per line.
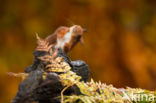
(68,37)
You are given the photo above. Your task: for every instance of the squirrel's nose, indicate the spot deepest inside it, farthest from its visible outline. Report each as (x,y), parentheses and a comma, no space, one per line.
(85,30)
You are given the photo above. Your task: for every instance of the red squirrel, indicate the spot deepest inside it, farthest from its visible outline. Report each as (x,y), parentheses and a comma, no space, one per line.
(66,37)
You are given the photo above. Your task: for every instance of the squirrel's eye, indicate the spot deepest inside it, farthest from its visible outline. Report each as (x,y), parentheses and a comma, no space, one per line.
(63,31)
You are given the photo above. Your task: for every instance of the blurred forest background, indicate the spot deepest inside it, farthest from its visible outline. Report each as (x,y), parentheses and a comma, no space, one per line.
(120,46)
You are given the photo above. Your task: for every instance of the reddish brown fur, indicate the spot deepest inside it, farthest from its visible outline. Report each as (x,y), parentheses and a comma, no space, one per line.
(61,31)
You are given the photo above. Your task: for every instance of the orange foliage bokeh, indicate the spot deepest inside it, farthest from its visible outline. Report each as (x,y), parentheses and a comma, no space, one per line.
(120,46)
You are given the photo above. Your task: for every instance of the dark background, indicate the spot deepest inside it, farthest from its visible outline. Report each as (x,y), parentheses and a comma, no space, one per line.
(120,46)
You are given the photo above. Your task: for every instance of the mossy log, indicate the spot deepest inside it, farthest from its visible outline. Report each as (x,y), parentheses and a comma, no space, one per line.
(54,78)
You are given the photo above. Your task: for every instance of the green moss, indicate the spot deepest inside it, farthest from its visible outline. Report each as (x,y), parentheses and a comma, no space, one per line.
(97,92)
